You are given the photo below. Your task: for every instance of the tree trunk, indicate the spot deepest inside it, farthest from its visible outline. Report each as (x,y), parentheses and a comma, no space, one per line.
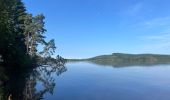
(28,36)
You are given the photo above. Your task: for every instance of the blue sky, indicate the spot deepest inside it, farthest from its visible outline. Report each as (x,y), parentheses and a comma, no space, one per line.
(86,28)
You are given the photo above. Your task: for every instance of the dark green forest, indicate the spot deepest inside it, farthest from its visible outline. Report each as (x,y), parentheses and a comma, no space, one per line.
(20,34)
(21,63)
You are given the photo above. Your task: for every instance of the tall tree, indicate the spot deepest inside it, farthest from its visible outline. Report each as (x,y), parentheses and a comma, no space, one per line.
(34,32)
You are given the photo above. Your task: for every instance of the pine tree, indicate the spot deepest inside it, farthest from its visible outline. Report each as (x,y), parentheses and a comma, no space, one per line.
(12,45)
(34,33)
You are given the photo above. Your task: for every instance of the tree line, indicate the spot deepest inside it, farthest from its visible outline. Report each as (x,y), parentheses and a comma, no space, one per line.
(21,33)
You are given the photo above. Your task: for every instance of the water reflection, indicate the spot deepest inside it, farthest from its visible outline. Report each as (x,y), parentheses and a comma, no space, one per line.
(22,84)
(127,63)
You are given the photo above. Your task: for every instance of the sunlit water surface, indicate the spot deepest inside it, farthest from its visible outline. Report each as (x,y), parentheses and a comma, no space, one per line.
(87,81)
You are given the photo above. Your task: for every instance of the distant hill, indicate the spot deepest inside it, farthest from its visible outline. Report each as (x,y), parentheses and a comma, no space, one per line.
(122,59)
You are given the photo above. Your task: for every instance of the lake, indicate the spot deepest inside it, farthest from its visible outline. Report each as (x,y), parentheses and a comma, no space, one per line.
(88,81)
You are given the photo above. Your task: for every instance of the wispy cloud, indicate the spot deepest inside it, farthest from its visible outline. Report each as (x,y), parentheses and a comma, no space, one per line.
(158,22)
(134,9)
(157,36)
(163,48)
(159,43)
(160,37)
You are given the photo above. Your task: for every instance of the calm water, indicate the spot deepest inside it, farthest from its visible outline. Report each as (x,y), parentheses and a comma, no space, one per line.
(87,81)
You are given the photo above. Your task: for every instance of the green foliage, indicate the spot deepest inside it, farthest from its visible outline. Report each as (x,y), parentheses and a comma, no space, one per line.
(34,32)
(12,45)
(21,33)
(49,48)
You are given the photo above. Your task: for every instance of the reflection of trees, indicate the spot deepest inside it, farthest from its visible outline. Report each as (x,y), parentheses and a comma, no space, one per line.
(23,84)
(119,64)
(43,76)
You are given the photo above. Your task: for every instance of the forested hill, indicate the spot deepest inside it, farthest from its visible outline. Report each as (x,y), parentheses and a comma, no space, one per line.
(132,57)
(117,59)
